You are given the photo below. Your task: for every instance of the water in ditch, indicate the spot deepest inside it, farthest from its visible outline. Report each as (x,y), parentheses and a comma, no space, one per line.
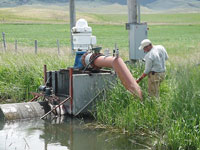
(64,134)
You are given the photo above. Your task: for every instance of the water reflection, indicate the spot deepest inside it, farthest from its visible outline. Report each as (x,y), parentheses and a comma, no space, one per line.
(60,134)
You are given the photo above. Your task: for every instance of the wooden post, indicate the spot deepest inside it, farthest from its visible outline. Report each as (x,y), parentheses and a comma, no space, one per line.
(72,21)
(58,45)
(4,41)
(36,46)
(16,46)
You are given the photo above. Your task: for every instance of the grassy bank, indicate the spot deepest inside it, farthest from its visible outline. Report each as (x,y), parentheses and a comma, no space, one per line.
(21,74)
(173,120)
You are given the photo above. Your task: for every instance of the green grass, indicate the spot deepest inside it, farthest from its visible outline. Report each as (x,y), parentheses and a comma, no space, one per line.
(172,121)
(21,74)
(189,18)
(183,18)
(178,39)
(185,108)
(46,34)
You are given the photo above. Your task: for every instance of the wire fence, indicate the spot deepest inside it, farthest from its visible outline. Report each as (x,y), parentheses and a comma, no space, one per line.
(20,47)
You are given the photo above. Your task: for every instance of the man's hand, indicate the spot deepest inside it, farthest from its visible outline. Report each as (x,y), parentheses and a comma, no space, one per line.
(142,76)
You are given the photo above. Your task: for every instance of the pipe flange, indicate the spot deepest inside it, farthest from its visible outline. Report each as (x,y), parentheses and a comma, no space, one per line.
(88,60)
(92,59)
(83,59)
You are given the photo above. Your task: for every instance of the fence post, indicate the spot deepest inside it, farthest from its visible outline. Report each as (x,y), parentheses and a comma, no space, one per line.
(16,46)
(36,46)
(58,45)
(4,41)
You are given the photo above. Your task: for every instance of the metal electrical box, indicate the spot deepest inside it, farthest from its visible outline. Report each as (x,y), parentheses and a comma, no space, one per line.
(137,33)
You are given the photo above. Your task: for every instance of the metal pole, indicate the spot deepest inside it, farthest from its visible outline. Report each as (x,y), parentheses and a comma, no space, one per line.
(72,20)
(132,11)
(45,74)
(71,89)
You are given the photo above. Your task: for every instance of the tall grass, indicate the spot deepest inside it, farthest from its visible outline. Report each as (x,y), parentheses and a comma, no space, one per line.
(185,108)
(173,119)
(21,74)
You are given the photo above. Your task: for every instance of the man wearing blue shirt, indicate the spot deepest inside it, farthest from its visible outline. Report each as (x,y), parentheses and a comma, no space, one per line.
(155,68)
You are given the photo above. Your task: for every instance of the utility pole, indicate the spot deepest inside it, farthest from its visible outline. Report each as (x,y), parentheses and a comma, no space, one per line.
(137,30)
(132,11)
(72,13)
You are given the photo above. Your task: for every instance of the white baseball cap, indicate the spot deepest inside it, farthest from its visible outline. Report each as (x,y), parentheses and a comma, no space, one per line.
(144,43)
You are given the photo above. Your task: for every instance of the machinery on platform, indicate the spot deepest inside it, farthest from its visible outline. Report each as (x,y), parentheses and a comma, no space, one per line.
(74,90)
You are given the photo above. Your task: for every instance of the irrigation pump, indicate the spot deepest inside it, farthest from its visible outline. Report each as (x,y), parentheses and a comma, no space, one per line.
(75,90)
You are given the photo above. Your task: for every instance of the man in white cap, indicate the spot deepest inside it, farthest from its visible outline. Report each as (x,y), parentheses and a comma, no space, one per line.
(154,66)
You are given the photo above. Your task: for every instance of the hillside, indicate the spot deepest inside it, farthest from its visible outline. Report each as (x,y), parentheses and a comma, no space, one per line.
(101,6)
(152,6)
(174,5)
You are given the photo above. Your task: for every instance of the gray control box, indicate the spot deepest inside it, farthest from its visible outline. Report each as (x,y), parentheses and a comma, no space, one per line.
(137,33)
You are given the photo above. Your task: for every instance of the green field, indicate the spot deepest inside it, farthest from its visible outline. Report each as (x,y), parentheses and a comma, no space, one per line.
(172,121)
(178,39)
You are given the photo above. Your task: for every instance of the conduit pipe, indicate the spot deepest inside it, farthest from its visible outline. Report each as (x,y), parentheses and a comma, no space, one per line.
(23,110)
(122,72)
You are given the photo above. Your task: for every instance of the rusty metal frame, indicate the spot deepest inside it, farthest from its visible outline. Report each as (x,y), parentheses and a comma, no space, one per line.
(71,88)
(45,74)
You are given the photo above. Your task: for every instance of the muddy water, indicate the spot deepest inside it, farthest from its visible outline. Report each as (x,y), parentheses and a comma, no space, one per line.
(62,134)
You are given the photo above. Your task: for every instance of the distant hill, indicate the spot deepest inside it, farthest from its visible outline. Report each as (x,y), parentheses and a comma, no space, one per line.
(173,4)
(149,5)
